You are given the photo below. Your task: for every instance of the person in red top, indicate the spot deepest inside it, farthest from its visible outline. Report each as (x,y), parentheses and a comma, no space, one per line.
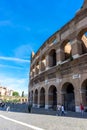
(82,109)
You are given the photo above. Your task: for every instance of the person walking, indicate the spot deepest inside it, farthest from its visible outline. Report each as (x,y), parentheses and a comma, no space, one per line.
(58,110)
(82,109)
(29,108)
(62,110)
(8,108)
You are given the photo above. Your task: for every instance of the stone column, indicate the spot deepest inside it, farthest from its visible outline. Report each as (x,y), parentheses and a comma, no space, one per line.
(39,66)
(78,99)
(59,97)
(46,79)
(58,37)
(60,55)
(34,71)
(58,81)
(46,99)
(76,48)
(78,94)
(47,62)
(33,99)
(38,106)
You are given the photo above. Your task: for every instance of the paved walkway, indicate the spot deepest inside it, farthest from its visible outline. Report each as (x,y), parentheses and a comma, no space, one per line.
(24,108)
(33,121)
(54,113)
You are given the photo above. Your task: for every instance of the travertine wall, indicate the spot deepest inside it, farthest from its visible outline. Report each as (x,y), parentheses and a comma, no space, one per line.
(62,68)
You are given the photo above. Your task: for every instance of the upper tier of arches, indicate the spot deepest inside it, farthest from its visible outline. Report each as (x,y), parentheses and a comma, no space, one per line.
(68,43)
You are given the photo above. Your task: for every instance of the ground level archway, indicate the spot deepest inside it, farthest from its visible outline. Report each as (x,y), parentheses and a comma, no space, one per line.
(36,98)
(52,96)
(68,98)
(42,97)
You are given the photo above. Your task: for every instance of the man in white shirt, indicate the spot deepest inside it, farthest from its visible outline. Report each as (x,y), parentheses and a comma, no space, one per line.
(62,110)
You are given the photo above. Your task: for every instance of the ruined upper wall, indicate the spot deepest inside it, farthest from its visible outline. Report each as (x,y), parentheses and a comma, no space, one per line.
(68,31)
(84,4)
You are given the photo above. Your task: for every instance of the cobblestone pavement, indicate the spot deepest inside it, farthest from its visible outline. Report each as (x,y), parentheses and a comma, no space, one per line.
(44,121)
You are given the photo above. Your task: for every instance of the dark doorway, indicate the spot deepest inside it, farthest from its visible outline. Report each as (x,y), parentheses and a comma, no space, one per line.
(52,58)
(69,99)
(36,98)
(53,97)
(42,97)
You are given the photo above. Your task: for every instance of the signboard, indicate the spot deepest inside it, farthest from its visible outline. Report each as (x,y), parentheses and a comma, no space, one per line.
(76,76)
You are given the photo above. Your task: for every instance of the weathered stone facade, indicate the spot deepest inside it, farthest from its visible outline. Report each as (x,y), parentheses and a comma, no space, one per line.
(58,72)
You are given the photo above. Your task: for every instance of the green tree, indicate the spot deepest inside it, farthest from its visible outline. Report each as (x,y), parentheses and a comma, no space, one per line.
(15,94)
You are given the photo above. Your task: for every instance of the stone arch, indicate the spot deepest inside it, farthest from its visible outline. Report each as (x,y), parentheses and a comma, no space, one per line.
(36,98)
(42,97)
(84,92)
(52,58)
(68,97)
(52,96)
(33,71)
(66,50)
(43,63)
(37,68)
(82,36)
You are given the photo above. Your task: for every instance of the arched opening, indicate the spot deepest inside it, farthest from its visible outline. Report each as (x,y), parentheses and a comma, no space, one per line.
(52,93)
(67,50)
(68,98)
(42,97)
(66,53)
(36,98)
(22,100)
(33,71)
(84,92)
(43,63)
(83,37)
(37,68)
(52,58)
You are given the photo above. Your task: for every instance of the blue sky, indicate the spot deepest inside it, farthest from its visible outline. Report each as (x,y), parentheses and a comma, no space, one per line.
(24,26)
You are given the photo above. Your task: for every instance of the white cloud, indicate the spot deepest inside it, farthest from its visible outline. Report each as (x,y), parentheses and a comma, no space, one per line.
(10,66)
(14,59)
(14,83)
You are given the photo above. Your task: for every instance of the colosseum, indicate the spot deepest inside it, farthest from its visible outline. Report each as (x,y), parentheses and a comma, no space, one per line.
(58,71)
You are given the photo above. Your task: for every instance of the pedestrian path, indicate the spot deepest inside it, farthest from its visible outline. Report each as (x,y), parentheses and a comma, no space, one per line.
(54,113)
(24,109)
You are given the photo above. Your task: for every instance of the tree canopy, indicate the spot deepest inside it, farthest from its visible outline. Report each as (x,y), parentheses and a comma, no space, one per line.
(15,93)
